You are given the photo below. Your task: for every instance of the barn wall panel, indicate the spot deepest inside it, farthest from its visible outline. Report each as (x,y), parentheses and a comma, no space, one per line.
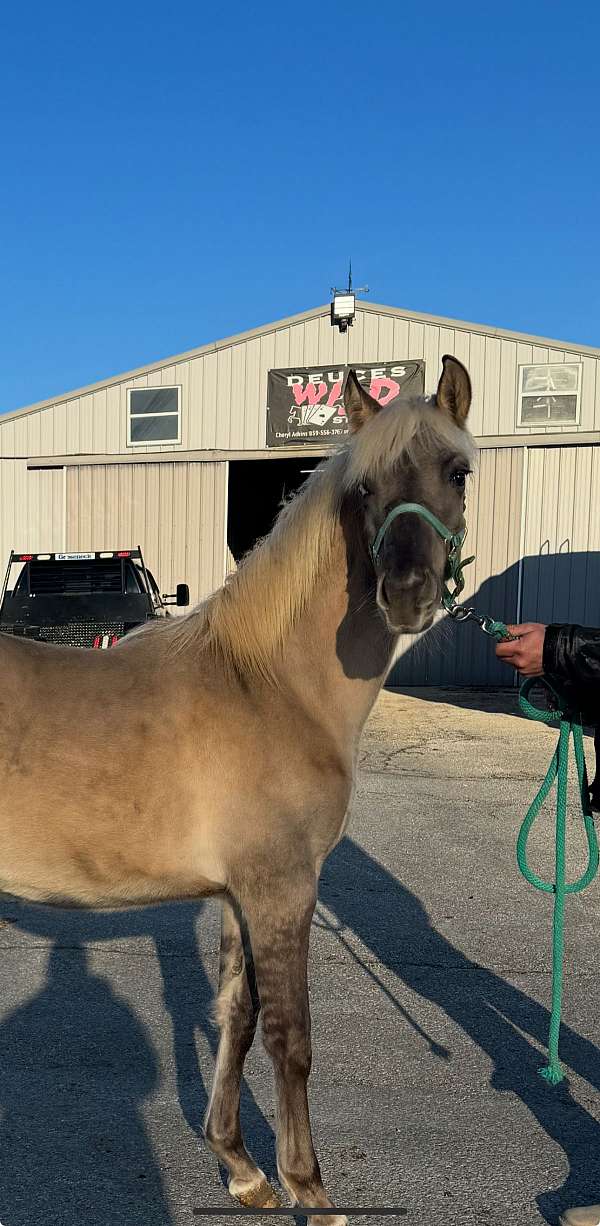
(561,563)
(31,509)
(176,512)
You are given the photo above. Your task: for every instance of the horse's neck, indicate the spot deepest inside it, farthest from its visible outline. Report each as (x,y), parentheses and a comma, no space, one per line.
(301,612)
(340,651)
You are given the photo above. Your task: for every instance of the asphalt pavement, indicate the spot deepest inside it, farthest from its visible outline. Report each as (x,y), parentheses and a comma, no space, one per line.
(430,986)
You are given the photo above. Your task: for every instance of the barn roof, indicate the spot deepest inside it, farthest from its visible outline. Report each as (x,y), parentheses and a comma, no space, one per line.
(274,326)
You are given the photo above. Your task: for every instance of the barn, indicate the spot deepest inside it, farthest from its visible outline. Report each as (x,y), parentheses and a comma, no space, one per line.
(190,458)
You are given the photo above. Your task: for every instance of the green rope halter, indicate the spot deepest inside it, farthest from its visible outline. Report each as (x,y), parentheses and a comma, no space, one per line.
(454,540)
(569,725)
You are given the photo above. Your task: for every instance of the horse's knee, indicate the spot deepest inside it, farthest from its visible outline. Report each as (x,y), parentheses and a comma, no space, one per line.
(290,1049)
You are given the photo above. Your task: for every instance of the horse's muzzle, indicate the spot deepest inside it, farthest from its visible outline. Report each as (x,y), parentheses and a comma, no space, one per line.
(408,601)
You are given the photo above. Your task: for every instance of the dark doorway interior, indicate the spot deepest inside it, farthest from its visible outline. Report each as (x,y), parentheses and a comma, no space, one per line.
(256,491)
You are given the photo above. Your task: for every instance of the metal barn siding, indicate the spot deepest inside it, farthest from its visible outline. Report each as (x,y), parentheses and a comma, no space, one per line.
(31,508)
(175,511)
(224,385)
(450,654)
(44,496)
(14,523)
(561,553)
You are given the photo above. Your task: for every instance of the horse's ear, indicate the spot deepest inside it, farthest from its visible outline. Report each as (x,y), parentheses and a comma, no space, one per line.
(454,389)
(358,404)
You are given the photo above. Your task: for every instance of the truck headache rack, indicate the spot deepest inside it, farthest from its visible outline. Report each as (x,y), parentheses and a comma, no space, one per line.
(80,598)
(51,576)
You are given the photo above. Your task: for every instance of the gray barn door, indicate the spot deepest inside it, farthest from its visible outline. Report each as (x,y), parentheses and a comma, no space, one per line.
(175,511)
(32,508)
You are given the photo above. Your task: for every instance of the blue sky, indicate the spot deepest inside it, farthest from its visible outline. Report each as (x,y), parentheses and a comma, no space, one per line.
(176,173)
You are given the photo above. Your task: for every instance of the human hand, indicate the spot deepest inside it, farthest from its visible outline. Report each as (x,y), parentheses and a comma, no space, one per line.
(526,653)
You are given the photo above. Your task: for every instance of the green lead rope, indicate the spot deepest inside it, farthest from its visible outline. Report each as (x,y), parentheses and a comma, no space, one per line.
(570,726)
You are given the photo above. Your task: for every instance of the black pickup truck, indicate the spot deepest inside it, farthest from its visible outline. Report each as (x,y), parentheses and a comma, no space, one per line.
(82,599)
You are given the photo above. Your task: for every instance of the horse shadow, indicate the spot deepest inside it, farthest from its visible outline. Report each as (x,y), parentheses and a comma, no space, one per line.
(83,1145)
(392,923)
(88,1149)
(73,1147)
(547,587)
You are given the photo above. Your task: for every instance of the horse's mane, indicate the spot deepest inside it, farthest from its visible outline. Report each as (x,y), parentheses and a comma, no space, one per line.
(247,621)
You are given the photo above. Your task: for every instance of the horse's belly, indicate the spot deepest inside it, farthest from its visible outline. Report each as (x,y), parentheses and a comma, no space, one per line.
(90,881)
(104,847)
(72,890)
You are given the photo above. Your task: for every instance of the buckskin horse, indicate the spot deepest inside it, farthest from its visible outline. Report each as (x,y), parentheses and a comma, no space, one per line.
(298,640)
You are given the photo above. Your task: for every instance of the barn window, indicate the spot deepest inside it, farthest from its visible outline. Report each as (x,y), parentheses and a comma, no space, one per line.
(549,394)
(153,415)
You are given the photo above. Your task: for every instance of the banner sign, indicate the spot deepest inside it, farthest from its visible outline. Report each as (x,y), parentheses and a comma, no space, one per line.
(305,405)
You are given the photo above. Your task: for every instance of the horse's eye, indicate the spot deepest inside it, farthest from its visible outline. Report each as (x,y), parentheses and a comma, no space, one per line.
(459,477)
(363,490)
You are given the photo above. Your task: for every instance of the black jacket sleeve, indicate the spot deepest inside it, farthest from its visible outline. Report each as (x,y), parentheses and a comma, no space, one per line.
(572,661)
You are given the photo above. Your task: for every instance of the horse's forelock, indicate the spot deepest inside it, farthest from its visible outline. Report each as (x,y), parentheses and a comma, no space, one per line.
(400,431)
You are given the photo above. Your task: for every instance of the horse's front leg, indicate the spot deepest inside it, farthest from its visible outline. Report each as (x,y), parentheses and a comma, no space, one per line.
(279,914)
(236,1012)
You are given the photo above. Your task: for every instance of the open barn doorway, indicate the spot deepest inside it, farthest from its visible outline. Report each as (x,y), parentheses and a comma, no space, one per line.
(256,490)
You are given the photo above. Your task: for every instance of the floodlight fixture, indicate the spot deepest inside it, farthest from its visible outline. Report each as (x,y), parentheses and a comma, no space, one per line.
(343,310)
(343,304)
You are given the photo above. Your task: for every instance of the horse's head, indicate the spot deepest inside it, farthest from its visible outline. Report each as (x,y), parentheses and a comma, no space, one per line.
(418,452)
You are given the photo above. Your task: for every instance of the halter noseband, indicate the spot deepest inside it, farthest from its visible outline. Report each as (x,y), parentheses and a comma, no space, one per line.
(454,541)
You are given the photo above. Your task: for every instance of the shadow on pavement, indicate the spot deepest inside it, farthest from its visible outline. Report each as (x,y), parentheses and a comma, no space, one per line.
(86,1148)
(77,1065)
(495,700)
(393,924)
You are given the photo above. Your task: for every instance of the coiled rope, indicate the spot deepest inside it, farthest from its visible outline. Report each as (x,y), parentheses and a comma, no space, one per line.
(569,725)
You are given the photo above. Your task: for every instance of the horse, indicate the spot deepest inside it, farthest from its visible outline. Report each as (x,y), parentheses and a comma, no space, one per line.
(216,753)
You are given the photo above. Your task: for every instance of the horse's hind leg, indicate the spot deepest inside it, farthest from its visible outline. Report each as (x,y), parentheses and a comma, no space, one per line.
(279,920)
(237,1013)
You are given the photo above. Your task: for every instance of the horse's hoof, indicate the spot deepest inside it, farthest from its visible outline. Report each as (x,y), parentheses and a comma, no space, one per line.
(257,1195)
(321,1220)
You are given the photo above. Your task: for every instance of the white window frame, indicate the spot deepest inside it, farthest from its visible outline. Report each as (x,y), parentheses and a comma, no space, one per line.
(167,387)
(545,421)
